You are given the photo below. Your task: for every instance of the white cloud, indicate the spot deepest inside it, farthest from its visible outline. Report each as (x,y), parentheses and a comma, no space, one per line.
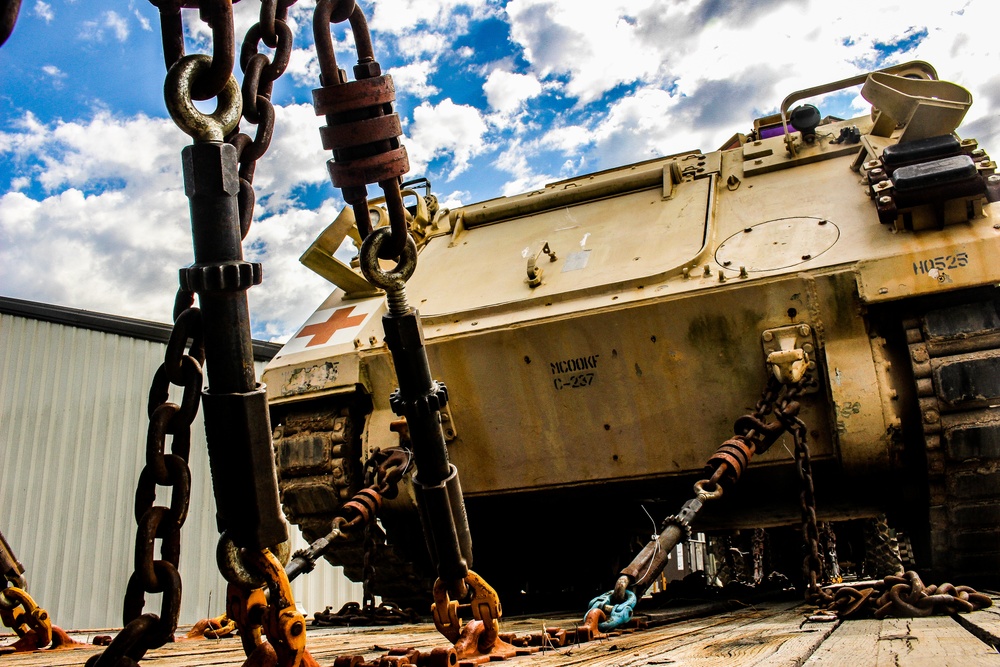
(404,16)
(507,91)
(514,161)
(454,199)
(143,21)
(414,79)
(445,129)
(117,24)
(295,158)
(54,73)
(595,47)
(43,10)
(110,22)
(422,44)
(303,67)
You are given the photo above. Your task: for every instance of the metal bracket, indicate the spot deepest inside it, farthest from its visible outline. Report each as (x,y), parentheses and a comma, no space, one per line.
(788,351)
(535,271)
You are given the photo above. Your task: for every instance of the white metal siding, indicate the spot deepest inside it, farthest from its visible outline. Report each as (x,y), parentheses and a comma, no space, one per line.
(72,436)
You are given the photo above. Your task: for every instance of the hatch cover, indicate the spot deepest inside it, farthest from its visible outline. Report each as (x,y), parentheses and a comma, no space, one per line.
(778,244)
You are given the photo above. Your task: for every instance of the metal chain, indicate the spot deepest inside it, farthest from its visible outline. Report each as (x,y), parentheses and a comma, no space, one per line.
(757,548)
(143,632)
(812,564)
(359,512)
(259,74)
(371,549)
(904,596)
(831,572)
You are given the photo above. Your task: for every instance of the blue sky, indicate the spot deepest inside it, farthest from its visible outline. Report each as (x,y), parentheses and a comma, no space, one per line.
(496,98)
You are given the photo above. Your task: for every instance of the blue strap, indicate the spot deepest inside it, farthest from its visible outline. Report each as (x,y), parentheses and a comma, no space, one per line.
(620,613)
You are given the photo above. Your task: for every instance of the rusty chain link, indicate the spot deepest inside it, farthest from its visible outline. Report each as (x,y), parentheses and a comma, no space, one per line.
(143,632)
(812,564)
(259,75)
(385,471)
(904,596)
(361,129)
(757,542)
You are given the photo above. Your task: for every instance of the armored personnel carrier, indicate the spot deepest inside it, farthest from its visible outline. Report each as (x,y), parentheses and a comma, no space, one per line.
(599,336)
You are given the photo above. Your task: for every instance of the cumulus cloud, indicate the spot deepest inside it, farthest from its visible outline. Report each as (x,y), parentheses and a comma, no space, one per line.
(506,91)
(54,73)
(445,129)
(407,16)
(414,79)
(43,10)
(110,24)
(116,250)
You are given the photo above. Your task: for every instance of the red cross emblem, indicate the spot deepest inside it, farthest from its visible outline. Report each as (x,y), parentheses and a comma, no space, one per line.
(323,331)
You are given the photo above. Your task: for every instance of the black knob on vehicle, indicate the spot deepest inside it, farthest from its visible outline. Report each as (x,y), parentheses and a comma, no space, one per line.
(805,118)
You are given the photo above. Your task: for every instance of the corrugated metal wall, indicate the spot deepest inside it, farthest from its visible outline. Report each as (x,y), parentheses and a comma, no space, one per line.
(72,436)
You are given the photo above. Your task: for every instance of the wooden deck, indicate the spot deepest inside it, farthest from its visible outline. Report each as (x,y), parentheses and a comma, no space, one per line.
(772,634)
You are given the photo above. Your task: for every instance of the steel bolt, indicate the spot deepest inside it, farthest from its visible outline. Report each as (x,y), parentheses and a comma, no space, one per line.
(708,271)
(372,340)
(768,336)
(722,276)
(807,348)
(743,272)
(995,178)
(804,329)
(979,152)
(885,200)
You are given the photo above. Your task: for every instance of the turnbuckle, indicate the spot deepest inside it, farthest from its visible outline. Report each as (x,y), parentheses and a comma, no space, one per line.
(724,469)
(361,128)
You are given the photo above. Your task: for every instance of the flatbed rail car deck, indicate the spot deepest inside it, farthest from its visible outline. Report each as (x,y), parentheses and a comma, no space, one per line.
(773,634)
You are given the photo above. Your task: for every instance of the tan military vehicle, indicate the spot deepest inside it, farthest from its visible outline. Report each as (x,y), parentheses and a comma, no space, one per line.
(600,335)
